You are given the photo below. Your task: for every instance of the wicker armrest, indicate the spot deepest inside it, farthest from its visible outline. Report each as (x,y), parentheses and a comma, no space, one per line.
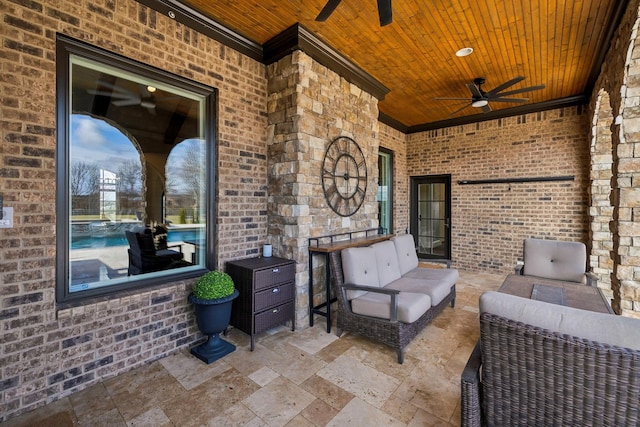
(178,245)
(471,409)
(519,269)
(592,278)
(350,287)
(441,261)
(393,293)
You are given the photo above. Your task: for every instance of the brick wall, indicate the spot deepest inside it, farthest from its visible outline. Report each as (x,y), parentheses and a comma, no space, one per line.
(490,221)
(46,353)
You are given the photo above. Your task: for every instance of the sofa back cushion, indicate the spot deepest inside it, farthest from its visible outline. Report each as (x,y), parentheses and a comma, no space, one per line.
(387,262)
(359,268)
(600,327)
(406,252)
(555,259)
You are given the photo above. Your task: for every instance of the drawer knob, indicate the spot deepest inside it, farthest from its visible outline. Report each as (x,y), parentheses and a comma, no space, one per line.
(275,290)
(275,270)
(275,310)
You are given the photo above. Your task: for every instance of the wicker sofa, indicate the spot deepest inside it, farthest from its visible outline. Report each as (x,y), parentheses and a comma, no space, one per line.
(384,295)
(543,364)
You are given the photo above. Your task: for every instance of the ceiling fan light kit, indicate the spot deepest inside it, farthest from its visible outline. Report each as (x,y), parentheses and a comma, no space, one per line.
(481,99)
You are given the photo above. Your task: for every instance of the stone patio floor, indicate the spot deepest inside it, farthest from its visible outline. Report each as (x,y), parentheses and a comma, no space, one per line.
(301,378)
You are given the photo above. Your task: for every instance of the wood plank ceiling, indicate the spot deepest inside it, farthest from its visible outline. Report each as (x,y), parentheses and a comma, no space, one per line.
(556,43)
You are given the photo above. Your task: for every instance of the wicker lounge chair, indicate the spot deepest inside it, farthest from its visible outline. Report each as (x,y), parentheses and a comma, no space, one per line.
(144,257)
(540,364)
(555,259)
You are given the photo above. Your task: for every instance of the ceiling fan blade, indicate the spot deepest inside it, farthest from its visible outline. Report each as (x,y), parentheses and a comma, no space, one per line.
(110,94)
(505,85)
(508,99)
(114,87)
(474,90)
(486,108)
(385,12)
(525,89)
(127,102)
(460,109)
(455,99)
(327,10)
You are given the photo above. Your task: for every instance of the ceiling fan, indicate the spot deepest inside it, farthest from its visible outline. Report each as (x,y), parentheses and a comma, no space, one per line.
(124,98)
(384,11)
(481,99)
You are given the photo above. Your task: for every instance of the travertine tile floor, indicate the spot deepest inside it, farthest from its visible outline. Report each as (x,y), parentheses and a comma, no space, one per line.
(301,378)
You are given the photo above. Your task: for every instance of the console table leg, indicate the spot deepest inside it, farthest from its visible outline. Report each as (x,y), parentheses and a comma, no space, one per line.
(328,290)
(310,289)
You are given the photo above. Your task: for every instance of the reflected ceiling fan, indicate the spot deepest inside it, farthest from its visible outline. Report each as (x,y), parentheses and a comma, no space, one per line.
(384,11)
(125,98)
(481,99)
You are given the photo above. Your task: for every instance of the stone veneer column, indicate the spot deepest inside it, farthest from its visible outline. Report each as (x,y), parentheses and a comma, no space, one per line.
(600,210)
(625,195)
(308,106)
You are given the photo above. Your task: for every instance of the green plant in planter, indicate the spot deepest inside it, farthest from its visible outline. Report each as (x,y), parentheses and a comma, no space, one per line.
(212,296)
(213,285)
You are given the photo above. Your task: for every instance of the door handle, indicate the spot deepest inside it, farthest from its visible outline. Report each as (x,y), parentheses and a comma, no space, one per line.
(447,222)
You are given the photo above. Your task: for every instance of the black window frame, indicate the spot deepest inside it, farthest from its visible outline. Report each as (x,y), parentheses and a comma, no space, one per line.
(391,155)
(65,48)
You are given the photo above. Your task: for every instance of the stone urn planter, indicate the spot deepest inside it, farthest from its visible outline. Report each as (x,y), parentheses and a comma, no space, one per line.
(212,297)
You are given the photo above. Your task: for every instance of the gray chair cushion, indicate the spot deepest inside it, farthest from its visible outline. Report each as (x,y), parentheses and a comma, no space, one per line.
(406,252)
(410,306)
(359,267)
(447,275)
(436,289)
(555,259)
(387,260)
(600,327)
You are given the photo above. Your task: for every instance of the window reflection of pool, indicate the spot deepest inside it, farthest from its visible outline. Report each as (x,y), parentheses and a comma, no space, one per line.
(96,242)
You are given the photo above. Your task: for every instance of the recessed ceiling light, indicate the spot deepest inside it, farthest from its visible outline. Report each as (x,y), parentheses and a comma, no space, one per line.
(151,89)
(465,51)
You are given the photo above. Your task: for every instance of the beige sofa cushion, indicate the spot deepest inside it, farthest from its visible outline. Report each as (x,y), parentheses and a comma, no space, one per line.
(406,252)
(410,306)
(555,259)
(359,267)
(600,327)
(387,260)
(436,289)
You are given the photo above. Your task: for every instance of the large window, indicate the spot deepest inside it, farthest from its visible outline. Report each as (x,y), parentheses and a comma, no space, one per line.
(385,190)
(135,174)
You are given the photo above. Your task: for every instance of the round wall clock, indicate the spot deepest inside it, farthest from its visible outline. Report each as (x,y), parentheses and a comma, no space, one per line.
(344,176)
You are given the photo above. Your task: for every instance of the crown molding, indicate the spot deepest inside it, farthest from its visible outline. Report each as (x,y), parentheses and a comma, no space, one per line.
(297,37)
(499,114)
(203,24)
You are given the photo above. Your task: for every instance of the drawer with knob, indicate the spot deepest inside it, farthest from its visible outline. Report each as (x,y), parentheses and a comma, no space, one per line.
(267,294)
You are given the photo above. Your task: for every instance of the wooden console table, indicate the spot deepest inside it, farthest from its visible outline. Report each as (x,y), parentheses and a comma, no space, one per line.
(325,245)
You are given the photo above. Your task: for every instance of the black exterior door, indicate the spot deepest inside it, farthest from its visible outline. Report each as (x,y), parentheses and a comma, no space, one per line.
(431,215)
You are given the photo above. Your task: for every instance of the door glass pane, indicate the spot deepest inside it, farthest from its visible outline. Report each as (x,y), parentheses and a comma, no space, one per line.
(431,205)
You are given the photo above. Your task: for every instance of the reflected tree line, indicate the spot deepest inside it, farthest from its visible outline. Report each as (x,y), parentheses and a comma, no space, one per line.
(184,187)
